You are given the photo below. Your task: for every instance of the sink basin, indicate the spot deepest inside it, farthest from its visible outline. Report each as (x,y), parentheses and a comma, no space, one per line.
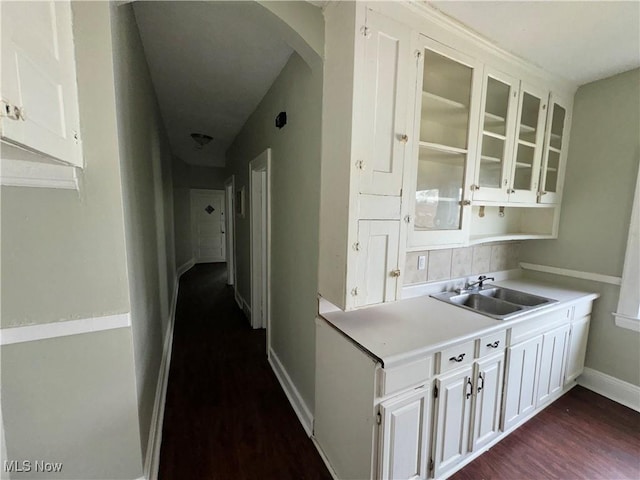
(514,296)
(495,302)
(485,304)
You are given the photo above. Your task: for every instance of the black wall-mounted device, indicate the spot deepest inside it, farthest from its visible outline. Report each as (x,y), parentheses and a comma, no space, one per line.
(281,119)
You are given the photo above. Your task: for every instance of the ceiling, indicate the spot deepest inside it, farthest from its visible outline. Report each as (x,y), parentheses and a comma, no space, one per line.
(580,41)
(211,63)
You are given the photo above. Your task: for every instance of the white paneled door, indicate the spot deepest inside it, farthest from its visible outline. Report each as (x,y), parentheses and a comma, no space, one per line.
(208,225)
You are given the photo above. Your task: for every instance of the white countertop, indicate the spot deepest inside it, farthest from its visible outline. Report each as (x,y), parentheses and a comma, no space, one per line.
(406,329)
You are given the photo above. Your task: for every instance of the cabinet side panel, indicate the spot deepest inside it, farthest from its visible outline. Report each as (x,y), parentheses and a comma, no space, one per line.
(337,114)
(344,423)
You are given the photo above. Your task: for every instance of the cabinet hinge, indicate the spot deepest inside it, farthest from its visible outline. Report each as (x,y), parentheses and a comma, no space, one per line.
(11,111)
(365,31)
(354,291)
(360,164)
(407,218)
(356,246)
(435,392)
(431,464)
(418,53)
(378,418)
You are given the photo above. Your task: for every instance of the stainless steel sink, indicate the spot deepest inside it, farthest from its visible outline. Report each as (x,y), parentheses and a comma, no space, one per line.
(495,302)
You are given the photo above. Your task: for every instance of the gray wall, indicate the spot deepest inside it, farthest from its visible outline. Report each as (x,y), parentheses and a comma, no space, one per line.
(596,210)
(73,399)
(211,178)
(295,203)
(62,247)
(145,159)
(182,212)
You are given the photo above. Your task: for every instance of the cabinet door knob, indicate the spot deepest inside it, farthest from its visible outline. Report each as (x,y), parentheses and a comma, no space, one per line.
(465,203)
(395,273)
(404,138)
(494,344)
(458,359)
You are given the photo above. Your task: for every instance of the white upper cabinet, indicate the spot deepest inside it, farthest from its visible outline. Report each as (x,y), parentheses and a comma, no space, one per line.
(525,168)
(555,152)
(496,137)
(381,138)
(447,103)
(38,89)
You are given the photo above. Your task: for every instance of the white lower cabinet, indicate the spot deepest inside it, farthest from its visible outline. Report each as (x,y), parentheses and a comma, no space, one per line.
(379,422)
(552,362)
(577,348)
(523,361)
(488,400)
(467,411)
(452,419)
(404,439)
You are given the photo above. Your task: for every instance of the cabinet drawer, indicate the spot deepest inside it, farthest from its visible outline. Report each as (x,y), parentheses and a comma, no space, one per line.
(403,376)
(582,309)
(539,325)
(496,342)
(455,357)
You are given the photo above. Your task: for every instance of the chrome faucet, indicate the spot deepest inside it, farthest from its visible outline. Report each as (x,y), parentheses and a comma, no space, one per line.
(479,283)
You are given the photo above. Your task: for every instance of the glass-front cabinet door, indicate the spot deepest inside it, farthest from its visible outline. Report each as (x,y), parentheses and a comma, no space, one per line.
(525,168)
(440,174)
(495,142)
(555,152)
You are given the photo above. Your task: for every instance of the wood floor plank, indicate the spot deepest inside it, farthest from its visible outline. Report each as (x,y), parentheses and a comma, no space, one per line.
(582,435)
(226,415)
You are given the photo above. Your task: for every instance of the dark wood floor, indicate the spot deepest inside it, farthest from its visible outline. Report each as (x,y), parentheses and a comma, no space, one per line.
(582,435)
(226,415)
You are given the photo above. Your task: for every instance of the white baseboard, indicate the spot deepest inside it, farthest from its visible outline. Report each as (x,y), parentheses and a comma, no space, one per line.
(613,388)
(152,460)
(243,305)
(184,267)
(290,390)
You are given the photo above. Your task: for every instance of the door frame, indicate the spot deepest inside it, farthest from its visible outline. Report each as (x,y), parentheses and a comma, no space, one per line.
(230,191)
(193,192)
(260,170)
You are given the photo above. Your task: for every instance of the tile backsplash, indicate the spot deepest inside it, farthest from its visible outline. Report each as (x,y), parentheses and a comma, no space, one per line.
(461,262)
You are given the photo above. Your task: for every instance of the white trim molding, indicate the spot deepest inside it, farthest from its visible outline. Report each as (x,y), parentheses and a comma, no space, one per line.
(565,272)
(290,390)
(20,173)
(628,311)
(613,388)
(43,331)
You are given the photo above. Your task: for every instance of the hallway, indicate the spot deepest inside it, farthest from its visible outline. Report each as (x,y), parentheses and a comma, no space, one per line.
(226,415)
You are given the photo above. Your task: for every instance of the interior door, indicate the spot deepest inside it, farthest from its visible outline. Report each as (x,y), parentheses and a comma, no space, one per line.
(208,226)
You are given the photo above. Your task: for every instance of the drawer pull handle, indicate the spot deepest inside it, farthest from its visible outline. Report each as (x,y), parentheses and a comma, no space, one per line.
(494,344)
(459,358)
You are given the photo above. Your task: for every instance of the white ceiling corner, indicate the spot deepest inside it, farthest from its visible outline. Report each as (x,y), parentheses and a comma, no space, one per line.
(211,64)
(581,41)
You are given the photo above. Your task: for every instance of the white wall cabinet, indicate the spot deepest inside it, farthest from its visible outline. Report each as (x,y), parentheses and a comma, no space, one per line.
(377,254)
(38,86)
(364,142)
(425,126)
(405,434)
